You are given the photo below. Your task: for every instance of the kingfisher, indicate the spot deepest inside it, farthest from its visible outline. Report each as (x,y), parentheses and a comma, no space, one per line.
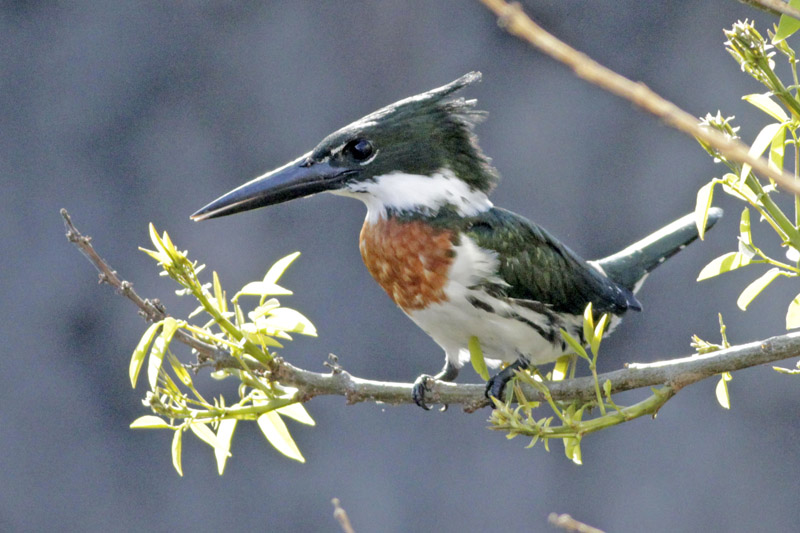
(455,264)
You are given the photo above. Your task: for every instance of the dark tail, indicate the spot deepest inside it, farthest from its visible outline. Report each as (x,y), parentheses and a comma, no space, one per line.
(629,266)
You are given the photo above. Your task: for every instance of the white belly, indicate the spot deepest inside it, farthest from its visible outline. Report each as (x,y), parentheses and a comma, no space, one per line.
(506,332)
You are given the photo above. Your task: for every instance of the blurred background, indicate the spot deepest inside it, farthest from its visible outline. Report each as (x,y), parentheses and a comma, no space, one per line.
(127,114)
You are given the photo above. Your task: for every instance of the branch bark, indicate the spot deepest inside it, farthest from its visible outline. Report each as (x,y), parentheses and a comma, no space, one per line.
(516,22)
(676,373)
(774,7)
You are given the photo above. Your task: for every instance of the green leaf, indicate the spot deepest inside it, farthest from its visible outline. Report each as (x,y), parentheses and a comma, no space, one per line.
(262,288)
(169,326)
(704,198)
(598,333)
(777,149)
(280,266)
(219,295)
(575,345)
(224,437)
(607,388)
(176,450)
(787,25)
(588,324)
(722,264)
(561,367)
(766,104)
(745,236)
(793,314)
(723,396)
(754,289)
(141,350)
(572,448)
(760,144)
(179,369)
(476,358)
(204,433)
(150,422)
(276,433)
(297,412)
(290,321)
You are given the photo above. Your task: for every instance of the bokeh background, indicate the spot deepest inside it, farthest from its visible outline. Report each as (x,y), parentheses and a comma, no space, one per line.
(130,113)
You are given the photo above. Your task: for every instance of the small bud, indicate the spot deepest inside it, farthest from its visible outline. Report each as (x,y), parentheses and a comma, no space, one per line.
(724,126)
(751,51)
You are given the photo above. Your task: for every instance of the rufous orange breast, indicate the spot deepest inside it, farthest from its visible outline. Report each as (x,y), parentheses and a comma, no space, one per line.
(409,259)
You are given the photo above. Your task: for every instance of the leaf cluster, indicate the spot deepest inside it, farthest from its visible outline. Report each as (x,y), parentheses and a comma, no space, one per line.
(245,336)
(782,105)
(574,422)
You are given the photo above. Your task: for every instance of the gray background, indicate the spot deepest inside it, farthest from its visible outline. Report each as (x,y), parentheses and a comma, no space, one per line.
(127,114)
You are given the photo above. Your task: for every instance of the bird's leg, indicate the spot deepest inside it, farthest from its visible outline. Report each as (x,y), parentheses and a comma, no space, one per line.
(497,383)
(423,384)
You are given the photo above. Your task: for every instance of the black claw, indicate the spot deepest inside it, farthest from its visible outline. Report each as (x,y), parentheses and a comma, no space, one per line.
(420,389)
(496,385)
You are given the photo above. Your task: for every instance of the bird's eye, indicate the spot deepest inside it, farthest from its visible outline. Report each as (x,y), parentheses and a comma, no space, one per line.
(359,149)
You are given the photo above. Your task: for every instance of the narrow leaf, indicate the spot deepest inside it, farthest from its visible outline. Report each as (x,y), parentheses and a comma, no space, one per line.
(777,150)
(765,103)
(561,367)
(588,324)
(575,345)
(169,326)
(787,25)
(176,450)
(754,289)
(141,350)
(280,266)
(598,333)
(723,398)
(150,422)
(291,321)
(476,358)
(224,437)
(262,288)
(722,264)
(763,139)
(793,314)
(204,433)
(297,412)
(745,235)
(704,198)
(219,295)
(278,435)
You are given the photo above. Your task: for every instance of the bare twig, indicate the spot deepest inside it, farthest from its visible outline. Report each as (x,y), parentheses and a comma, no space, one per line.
(677,373)
(567,523)
(516,22)
(341,516)
(774,7)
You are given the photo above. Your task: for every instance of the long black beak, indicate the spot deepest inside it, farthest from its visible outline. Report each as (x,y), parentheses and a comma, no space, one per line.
(302,177)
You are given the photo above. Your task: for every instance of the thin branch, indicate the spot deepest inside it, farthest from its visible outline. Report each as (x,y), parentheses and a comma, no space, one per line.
(676,373)
(567,523)
(150,310)
(341,516)
(774,7)
(516,22)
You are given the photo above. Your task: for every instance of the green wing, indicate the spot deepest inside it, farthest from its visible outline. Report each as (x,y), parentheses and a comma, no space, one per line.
(539,268)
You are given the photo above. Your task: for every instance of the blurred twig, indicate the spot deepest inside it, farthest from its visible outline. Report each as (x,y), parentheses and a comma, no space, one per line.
(773,7)
(676,373)
(567,523)
(515,21)
(341,516)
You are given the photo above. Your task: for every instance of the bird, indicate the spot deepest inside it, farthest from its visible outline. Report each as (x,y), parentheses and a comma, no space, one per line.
(456,265)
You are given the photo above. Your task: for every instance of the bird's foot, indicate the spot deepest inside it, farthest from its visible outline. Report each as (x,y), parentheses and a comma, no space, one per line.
(422,386)
(496,385)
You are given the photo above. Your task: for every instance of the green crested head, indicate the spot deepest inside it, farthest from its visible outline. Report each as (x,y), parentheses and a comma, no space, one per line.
(420,135)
